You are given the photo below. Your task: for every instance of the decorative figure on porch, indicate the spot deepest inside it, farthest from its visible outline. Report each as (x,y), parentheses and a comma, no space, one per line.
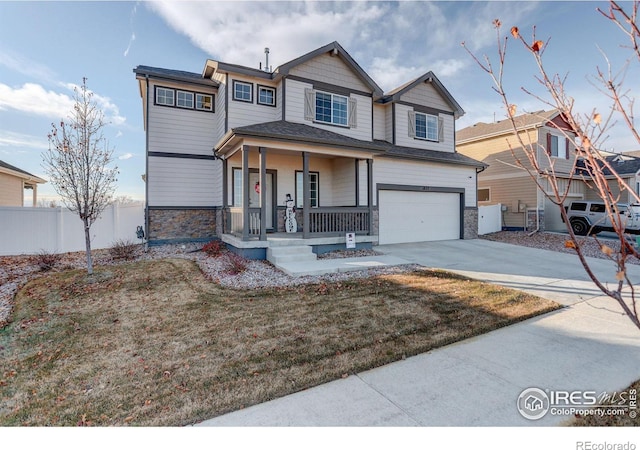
(257,187)
(290,224)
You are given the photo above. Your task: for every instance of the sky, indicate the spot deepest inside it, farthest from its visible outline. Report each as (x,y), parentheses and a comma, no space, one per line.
(46,48)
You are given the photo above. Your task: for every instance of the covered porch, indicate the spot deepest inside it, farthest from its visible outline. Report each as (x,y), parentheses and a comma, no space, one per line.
(330,187)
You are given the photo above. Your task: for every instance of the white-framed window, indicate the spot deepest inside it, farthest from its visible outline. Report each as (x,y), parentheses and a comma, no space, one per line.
(557,146)
(426,126)
(184,99)
(266,95)
(204,102)
(329,108)
(484,194)
(314,189)
(165,96)
(242,91)
(332,108)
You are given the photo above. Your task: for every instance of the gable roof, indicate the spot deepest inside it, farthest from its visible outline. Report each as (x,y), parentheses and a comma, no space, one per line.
(283,70)
(526,121)
(298,132)
(336,50)
(15,171)
(429,77)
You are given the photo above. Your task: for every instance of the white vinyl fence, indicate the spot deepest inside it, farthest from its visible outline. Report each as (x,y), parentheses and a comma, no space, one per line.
(58,230)
(489,219)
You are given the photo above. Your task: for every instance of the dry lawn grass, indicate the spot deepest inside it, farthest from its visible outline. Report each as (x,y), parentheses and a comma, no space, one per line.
(155,343)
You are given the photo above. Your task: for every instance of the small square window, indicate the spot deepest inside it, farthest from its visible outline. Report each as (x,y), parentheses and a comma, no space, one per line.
(184,99)
(165,96)
(243,91)
(204,102)
(266,96)
(484,195)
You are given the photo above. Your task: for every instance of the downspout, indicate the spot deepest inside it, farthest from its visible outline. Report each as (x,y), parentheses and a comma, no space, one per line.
(146,177)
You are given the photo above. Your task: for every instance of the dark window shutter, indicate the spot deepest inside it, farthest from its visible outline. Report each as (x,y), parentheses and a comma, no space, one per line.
(567,148)
(548,143)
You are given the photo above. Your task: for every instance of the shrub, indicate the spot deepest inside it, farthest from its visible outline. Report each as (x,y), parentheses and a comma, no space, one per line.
(214,248)
(236,264)
(123,249)
(46,260)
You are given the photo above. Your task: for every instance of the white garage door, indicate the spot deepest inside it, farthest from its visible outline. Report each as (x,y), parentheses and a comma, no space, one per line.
(409,216)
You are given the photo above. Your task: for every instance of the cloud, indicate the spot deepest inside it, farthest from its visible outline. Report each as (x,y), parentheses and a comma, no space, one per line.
(32,98)
(393,41)
(125,156)
(131,39)
(24,65)
(12,139)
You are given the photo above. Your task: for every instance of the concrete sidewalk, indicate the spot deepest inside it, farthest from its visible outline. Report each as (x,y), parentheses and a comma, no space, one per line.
(588,345)
(325,266)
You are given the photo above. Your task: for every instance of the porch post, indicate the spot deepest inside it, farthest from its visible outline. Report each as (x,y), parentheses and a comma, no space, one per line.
(357,182)
(245,192)
(370,193)
(263,193)
(306,195)
(226,221)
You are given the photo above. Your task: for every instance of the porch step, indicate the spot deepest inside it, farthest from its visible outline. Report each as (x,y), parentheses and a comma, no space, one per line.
(290,253)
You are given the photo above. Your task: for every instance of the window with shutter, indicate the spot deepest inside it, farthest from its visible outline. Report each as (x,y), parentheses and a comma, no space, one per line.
(425,126)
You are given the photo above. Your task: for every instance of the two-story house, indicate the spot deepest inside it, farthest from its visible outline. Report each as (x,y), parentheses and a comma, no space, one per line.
(525,206)
(228,146)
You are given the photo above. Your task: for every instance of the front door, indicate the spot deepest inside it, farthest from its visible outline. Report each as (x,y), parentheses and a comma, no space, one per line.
(254,195)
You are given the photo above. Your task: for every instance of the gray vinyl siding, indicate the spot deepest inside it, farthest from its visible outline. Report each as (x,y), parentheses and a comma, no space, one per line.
(343,184)
(177,130)
(295,112)
(331,70)
(416,173)
(220,108)
(184,182)
(388,125)
(379,116)
(403,138)
(245,113)
(362,171)
(425,94)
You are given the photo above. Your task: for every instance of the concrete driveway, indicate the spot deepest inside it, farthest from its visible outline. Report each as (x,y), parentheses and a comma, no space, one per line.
(587,346)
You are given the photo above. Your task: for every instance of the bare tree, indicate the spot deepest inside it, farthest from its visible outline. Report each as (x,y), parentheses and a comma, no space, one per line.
(79,162)
(588,131)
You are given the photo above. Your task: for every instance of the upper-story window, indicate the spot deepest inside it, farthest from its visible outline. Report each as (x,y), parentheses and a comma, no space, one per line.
(165,96)
(184,99)
(329,108)
(557,146)
(242,91)
(425,126)
(204,102)
(266,95)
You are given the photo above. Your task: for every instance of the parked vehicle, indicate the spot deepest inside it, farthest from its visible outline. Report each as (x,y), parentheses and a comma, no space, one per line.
(591,217)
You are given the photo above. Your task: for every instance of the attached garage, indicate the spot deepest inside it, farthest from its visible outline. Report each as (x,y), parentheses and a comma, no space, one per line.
(417,215)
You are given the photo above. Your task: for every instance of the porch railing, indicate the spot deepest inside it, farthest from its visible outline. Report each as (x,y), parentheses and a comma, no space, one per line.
(338,220)
(236,223)
(323,221)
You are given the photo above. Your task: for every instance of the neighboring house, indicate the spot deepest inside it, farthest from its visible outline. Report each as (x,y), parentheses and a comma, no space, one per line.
(524,205)
(627,167)
(13,183)
(226,147)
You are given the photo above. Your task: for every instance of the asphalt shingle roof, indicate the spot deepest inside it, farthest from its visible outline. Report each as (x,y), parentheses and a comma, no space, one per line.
(174,75)
(523,121)
(15,169)
(622,164)
(304,133)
